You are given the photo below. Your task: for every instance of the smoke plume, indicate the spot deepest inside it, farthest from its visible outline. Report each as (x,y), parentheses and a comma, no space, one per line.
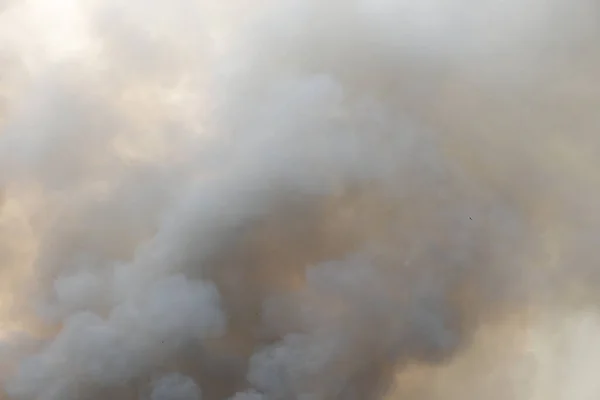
(299,199)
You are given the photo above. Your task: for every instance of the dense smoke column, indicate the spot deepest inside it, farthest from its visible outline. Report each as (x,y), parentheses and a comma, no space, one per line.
(313,201)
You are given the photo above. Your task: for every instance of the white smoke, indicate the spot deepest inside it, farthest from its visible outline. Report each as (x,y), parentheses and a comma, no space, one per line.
(296,199)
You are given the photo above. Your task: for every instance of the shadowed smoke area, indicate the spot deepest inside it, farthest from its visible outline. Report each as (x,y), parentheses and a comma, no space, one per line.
(299,199)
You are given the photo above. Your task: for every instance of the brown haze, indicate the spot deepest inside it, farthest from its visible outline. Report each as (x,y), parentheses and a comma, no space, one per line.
(299,199)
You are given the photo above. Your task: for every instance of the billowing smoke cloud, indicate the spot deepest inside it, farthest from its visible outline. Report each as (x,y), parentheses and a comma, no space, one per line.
(175,387)
(298,199)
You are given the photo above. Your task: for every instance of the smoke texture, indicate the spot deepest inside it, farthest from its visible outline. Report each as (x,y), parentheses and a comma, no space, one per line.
(299,199)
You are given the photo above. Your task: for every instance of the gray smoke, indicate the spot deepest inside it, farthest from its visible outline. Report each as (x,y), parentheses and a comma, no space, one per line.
(175,387)
(296,199)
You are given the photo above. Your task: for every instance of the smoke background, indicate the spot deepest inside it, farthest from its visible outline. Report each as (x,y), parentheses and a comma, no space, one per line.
(299,199)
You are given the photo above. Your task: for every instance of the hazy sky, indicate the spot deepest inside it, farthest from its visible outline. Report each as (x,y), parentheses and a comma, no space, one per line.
(299,199)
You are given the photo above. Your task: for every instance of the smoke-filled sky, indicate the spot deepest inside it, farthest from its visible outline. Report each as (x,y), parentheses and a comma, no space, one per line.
(299,199)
